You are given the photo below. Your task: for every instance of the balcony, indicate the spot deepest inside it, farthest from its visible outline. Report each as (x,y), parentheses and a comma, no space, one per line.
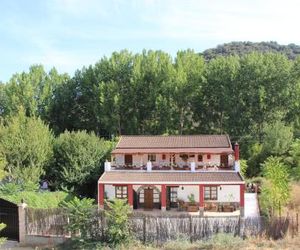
(174,167)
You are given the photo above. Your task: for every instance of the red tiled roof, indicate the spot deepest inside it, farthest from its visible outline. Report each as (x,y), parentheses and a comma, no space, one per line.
(170,177)
(174,141)
(172,150)
(174,144)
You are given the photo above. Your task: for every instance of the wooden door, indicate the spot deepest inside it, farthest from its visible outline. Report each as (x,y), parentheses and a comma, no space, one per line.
(128,159)
(148,196)
(224,161)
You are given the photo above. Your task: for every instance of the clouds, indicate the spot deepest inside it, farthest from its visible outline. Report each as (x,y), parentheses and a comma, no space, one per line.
(68,34)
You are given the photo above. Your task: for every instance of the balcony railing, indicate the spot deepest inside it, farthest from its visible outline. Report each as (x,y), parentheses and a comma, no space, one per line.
(174,168)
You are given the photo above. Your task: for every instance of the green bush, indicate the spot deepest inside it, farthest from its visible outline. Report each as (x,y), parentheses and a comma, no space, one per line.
(80,214)
(37,199)
(118,231)
(10,188)
(2,239)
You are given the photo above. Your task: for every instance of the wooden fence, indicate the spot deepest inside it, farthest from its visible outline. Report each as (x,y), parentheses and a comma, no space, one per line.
(163,227)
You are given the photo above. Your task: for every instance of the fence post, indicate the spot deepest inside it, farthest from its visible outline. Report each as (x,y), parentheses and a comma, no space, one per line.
(22,223)
(191,229)
(144,229)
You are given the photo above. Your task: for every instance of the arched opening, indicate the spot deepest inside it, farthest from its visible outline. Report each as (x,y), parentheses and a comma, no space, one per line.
(148,197)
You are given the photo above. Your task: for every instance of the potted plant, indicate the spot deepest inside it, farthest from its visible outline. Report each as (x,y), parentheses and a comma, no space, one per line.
(192,206)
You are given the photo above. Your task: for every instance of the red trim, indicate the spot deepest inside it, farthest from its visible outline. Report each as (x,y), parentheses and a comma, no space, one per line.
(236,151)
(242,195)
(163,196)
(201,195)
(101,194)
(179,184)
(130,194)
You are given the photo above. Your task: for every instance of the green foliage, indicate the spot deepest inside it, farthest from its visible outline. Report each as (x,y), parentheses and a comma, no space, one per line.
(191,198)
(34,199)
(278,138)
(10,188)
(3,163)
(78,157)
(243,168)
(275,190)
(2,239)
(80,213)
(25,143)
(242,48)
(118,227)
(293,159)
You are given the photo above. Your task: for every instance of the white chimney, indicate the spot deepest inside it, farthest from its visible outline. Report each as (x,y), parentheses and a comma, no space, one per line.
(237,167)
(149,166)
(193,166)
(107,166)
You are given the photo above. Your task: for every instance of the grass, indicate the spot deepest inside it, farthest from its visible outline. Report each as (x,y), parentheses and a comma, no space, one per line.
(218,242)
(294,204)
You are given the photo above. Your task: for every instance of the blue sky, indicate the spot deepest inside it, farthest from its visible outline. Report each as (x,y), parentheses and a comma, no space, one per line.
(69,34)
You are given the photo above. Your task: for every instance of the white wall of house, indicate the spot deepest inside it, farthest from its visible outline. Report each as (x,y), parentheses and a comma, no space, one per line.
(186,191)
(229,193)
(138,159)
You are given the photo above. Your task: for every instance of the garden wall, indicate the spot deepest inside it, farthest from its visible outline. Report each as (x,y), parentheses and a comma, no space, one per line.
(51,223)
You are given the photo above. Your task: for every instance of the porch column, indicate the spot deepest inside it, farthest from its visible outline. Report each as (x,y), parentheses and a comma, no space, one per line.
(163,197)
(100,196)
(130,195)
(201,199)
(242,200)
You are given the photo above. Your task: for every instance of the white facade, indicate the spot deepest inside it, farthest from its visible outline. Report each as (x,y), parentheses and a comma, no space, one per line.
(185,191)
(226,193)
(141,159)
(229,193)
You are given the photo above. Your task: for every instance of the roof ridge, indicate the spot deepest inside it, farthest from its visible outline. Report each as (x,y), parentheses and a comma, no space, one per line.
(173,135)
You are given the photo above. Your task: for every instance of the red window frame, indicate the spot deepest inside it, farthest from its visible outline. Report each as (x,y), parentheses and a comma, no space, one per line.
(208,156)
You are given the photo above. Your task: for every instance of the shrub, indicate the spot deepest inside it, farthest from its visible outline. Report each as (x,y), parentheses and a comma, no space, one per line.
(80,214)
(37,199)
(2,239)
(118,230)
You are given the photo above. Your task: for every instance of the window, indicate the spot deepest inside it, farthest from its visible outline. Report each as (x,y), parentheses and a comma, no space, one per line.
(163,157)
(211,193)
(173,194)
(208,157)
(200,158)
(121,192)
(151,157)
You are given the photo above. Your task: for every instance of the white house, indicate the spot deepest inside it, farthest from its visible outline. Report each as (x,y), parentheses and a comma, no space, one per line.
(192,172)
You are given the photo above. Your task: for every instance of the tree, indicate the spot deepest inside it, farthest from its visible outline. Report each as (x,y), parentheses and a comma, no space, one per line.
(78,156)
(293,159)
(25,142)
(118,227)
(275,190)
(33,91)
(277,139)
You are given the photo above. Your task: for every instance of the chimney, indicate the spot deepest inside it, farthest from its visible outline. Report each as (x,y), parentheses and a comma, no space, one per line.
(236,152)
(107,166)
(193,166)
(149,166)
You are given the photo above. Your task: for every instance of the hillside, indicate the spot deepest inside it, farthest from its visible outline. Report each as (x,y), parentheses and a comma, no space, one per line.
(240,48)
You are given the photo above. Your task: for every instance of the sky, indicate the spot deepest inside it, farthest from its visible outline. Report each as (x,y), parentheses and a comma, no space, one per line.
(70,34)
